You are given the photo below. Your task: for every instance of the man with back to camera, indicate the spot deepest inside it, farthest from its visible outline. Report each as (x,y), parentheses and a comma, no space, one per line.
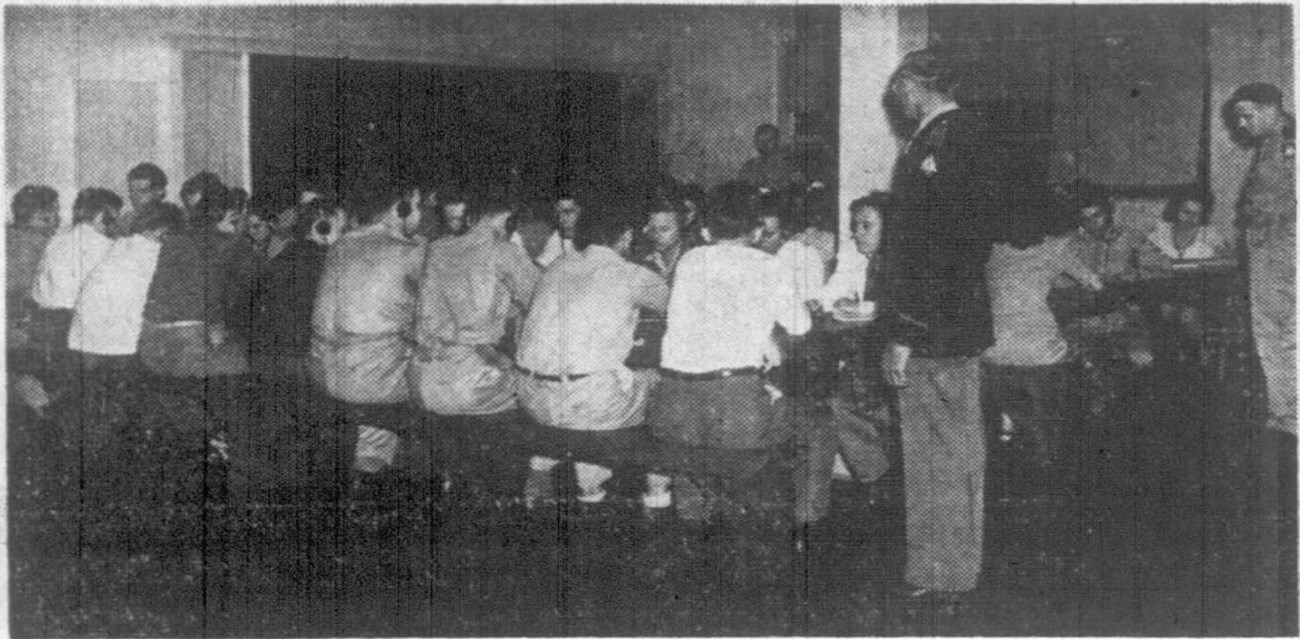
(572,379)
(361,324)
(468,288)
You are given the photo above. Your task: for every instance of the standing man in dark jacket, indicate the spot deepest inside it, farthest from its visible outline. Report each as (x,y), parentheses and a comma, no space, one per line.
(947,191)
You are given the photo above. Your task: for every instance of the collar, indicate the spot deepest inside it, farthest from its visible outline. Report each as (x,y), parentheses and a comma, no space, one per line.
(601,252)
(934,115)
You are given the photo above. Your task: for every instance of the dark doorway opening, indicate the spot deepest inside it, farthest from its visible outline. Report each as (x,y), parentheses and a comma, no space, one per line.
(502,132)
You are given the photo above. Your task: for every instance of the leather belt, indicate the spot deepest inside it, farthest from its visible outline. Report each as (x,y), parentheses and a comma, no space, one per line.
(550,378)
(710,375)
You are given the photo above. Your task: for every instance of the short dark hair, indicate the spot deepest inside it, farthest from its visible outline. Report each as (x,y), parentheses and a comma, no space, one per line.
(148,171)
(236,199)
(479,209)
(32,199)
(211,192)
(156,215)
(935,68)
(732,214)
(369,196)
(270,203)
(92,201)
(1196,194)
(767,127)
(878,200)
(664,205)
(605,228)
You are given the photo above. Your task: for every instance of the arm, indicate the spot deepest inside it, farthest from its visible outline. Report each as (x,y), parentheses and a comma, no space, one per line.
(650,291)
(519,274)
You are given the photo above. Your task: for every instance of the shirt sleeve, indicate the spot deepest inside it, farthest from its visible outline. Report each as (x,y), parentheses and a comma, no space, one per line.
(788,309)
(650,290)
(519,273)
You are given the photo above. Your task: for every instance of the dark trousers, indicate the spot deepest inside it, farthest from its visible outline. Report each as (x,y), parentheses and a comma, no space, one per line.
(1040,404)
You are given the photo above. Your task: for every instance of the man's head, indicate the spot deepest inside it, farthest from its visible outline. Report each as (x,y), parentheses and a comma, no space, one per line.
(567,212)
(145,183)
(1189,208)
(373,199)
(924,80)
(203,196)
(36,206)
(733,218)
(490,215)
(867,221)
(767,139)
(663,225)
(95,206)
(612,228)
(1255,111)
(454,214)
(1095,209)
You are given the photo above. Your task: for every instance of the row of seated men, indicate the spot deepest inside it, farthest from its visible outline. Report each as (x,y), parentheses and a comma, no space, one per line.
(465,326)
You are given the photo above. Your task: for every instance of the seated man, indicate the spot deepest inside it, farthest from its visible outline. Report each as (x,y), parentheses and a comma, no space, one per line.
(467,289)
(713,413)
(365,301)
(771,168)
(571,375)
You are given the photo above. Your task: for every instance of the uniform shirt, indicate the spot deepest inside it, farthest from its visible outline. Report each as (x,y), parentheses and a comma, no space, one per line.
(367,285)
(769,172)
(1266,206)
(72,254)
(109,313)
(468,284)
(585,311)
(725,302)
(1024,328)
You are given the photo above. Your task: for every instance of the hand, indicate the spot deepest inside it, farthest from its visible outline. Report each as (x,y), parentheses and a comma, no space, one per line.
(894,364)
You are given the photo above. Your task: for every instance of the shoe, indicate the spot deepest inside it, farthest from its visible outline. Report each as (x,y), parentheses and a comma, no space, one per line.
(539,488)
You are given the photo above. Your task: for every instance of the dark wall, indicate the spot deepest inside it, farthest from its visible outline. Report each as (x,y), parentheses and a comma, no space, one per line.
(524,132)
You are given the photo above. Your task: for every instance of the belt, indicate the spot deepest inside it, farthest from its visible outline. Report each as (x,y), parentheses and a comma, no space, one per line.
(550,378)
(710,375)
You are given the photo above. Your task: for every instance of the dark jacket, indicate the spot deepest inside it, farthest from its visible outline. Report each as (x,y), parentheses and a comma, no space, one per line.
(948,187)
(198,275)
(281,301)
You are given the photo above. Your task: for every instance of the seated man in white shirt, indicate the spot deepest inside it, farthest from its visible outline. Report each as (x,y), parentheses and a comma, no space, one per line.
(713,414)
(589,406)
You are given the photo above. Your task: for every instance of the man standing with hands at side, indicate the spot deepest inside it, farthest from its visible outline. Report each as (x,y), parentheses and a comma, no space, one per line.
(946,192)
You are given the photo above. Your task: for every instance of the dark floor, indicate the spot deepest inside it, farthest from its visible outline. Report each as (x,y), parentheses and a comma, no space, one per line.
(1168,535)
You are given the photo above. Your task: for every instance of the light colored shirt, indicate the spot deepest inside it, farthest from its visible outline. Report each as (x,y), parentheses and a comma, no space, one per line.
(1024,328)
(468,284)
(1107,259)
(585,312)
(1207,243)
(109,312)
(68,259)
(556,247)
(726,301)
(806,266)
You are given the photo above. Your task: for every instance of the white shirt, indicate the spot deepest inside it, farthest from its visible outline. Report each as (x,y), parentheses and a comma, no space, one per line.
(110,310)
(68,259)
(1205,246)
(725,302)
(556,246)
(805,267)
